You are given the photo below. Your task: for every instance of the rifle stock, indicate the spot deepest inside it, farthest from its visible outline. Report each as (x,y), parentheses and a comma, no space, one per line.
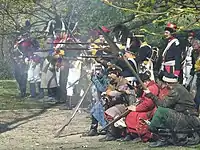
(115,120)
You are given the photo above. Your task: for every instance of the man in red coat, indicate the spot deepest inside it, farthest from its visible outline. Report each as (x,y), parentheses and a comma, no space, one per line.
(144,110)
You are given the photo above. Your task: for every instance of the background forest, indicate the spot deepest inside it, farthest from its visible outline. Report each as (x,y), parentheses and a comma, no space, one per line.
(146,17)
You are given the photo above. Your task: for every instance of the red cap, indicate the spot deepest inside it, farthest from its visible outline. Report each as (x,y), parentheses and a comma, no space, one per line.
(171,27)
(105,29)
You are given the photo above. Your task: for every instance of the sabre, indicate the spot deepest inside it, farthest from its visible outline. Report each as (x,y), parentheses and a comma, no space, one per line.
(75,111)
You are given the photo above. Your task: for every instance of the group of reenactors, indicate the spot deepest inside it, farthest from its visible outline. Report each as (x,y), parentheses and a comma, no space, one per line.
(38,68)
(161,106)
(164,109)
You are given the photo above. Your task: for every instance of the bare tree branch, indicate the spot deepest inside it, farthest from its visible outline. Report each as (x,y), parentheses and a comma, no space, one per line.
(17,25)
(125,21)
(181,3)
(45,8)
(140,23)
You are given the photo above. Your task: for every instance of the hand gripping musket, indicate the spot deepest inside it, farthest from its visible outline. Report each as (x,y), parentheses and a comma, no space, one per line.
(75,111)
(116,50)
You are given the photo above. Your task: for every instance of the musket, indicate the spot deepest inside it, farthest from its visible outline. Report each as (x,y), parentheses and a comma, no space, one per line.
(66,49)
(69,49)
(76,43)
(115,120)
(101,56)
(168,131)
(104,56)
(75,111)
(116,50)
(77,80)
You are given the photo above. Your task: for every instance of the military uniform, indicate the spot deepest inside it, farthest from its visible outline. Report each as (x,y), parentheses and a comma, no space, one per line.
(172,53)
(175,113)
(144,110)
(34,76)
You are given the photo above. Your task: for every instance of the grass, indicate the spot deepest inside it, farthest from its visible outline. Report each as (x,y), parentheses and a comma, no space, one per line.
(9,98)
(9,101)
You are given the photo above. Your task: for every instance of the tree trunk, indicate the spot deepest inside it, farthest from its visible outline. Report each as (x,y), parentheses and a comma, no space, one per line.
(2,39)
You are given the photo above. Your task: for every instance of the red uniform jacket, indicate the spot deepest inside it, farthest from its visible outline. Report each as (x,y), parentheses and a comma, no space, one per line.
(144,110)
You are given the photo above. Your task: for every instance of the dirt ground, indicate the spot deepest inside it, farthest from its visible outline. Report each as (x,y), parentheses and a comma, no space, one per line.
(35,130)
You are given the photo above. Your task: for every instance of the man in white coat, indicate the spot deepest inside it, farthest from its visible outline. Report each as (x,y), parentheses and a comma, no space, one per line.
(34,76)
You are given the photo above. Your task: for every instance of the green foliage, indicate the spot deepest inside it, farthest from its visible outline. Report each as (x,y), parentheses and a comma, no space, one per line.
(5,70)
(150,16)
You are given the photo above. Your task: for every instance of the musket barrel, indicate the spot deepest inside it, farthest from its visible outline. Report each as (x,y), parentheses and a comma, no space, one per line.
(69,49)
(77,43)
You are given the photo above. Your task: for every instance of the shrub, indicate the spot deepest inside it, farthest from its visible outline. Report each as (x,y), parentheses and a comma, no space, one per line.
(5,70)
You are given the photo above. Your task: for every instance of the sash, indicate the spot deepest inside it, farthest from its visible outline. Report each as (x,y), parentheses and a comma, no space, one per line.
(166,49)
(169,45)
